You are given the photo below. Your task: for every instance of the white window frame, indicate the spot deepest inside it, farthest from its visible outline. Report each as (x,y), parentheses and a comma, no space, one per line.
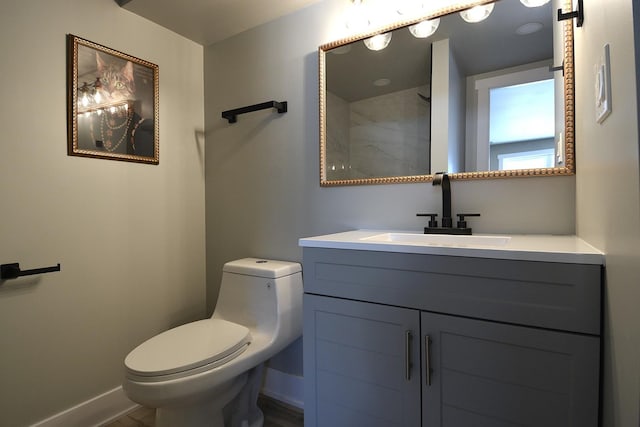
(544,153)
(483,87)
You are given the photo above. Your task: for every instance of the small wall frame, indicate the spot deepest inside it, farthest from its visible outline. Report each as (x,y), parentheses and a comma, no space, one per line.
(112,104)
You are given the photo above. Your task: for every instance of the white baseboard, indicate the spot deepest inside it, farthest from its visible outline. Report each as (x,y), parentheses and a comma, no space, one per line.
(284,387)
(95,412)
(113,404)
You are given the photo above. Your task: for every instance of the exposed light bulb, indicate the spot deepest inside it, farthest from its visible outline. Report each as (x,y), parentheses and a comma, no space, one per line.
(410,7)
(378,42)
(356,17)
(477,13)
(534,3)
(97,86)
(424,29)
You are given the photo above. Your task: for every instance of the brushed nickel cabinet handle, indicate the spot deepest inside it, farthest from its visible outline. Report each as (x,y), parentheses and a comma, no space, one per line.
(427,358)
(407,355)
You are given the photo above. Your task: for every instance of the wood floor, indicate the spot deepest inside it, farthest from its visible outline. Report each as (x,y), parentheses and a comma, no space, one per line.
(276,414)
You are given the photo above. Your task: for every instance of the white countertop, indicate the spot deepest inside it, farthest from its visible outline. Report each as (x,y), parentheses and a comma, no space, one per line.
(530,247)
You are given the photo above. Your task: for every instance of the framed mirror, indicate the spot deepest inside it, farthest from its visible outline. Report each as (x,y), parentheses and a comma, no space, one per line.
(491,99)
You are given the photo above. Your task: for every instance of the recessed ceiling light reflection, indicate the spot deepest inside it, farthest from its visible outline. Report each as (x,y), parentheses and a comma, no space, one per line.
(529,28)
(382,82)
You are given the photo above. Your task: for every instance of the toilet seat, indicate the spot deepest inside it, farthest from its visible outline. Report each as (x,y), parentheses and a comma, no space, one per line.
(187,349)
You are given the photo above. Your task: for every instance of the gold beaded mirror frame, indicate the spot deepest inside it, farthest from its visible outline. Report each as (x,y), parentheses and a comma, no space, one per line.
(112,104)
(337,167)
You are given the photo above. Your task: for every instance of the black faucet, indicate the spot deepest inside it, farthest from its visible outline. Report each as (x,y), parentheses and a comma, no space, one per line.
(442,179)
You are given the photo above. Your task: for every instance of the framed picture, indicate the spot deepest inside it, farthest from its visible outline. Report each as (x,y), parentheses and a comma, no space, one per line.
(112,104)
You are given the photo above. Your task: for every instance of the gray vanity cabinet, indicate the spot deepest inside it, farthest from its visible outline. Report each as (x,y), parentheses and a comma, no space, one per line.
(494,374)
(364,364)
(395,339)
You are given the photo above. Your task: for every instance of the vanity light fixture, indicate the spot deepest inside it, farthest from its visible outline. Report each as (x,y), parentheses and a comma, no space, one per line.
(410,7)
(378,42)
(534,3)
(89,93)
(84,94)
(356,17)
(477,13)
(424,29)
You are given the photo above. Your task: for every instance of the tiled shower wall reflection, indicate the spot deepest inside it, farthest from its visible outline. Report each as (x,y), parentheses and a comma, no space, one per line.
(382,136)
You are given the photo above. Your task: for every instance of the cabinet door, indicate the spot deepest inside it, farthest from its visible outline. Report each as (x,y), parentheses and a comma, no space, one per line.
(361,364)
(492,374)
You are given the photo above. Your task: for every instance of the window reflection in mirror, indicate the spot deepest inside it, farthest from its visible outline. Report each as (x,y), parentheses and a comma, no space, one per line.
(520,110)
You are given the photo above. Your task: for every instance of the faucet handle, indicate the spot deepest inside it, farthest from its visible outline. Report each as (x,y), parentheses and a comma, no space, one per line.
(432,220)
(461,222)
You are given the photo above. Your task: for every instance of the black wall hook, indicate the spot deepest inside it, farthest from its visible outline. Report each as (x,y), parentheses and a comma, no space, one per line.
(12,271)
(232,115)
(578,14)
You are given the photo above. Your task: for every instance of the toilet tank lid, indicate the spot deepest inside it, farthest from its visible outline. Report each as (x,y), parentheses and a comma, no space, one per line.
(259,267)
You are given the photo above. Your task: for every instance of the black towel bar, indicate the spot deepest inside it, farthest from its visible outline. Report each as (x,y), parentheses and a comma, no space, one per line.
(232,115)
(12,271)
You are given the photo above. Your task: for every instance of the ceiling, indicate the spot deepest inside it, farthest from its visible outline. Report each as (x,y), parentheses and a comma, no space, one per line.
(208,21)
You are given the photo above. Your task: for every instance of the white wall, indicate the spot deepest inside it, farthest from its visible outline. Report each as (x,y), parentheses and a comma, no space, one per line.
(262,174)
(129,237)
(608,196)
(448,106)
(456,120)
(440,104)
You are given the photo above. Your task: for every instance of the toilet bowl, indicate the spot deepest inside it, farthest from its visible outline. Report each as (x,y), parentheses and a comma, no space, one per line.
(208,372)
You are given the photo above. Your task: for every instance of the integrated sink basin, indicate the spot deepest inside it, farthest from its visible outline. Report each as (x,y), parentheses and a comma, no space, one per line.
(546,248)
(438,239)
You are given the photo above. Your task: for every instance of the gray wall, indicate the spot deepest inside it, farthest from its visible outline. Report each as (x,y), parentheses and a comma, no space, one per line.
(262,174)
(129,237)
(608,196)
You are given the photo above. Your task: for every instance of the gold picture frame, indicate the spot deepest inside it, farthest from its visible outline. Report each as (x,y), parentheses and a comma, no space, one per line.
(112,104)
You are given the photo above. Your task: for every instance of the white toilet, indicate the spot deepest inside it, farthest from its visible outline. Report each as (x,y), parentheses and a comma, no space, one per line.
(207,373)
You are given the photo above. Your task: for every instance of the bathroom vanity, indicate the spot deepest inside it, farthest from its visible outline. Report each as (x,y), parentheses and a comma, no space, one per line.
(411,330)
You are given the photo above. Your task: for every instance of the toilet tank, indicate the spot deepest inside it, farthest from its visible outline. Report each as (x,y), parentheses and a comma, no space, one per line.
(263,295)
